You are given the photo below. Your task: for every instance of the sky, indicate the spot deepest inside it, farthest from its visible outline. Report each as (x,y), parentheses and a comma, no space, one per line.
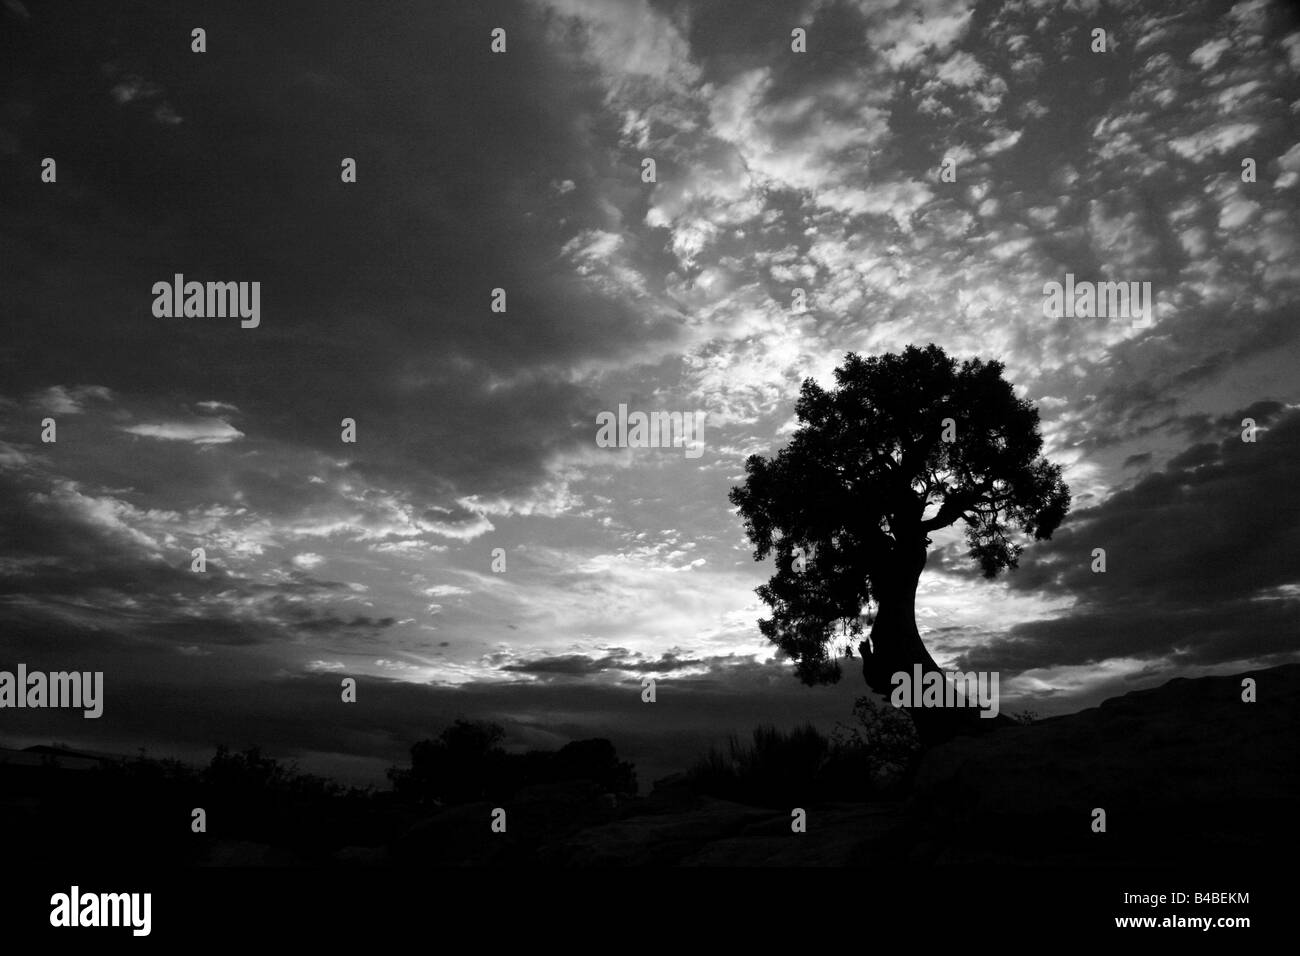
(476,429)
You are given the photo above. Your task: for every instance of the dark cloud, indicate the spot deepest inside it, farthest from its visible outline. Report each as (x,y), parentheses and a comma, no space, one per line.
(1192,553)
(581,665)
(1140,394)
(375,296)
(78,553)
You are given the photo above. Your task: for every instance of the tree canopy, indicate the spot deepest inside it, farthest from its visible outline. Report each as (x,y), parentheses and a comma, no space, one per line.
(904,445)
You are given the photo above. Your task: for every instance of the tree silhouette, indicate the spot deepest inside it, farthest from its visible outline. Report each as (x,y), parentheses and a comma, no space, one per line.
(459,767)
(467,763)
(904,445)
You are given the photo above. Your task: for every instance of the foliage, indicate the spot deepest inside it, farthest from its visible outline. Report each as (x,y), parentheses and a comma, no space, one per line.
(466,763)
(904,445)
(787,768)
(884,737)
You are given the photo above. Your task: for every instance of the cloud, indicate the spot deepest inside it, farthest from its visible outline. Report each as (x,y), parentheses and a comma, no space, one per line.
(906,35)
(1189,550)
(131,88)
(629,38)
(444,590)
(622,662)
(1217,140)
(1208,53)
(961,69)
(1289,163)
(204,432)
(65,400)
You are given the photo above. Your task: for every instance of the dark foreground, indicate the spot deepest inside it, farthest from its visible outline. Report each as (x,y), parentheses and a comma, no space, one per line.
(1186,774)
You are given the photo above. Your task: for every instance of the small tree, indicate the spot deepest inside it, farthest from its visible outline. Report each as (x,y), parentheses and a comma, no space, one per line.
(904,445)
(883,738)
(459,767)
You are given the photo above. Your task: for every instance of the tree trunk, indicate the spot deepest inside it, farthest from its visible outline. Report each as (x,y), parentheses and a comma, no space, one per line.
(896,646)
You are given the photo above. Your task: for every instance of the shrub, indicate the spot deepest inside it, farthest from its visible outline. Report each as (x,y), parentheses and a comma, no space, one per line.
(788,768)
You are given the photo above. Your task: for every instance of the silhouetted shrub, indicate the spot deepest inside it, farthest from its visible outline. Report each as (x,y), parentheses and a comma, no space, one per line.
(883,743)
(466,763)
(775,768)
(460,766)
(595,760)
(780,768)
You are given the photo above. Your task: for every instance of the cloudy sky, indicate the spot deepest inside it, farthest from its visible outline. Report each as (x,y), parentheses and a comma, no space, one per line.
(775,170)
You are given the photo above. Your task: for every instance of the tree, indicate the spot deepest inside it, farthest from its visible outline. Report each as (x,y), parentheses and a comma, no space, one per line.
(467,763)
(459,767)
(905,445)
(595,759)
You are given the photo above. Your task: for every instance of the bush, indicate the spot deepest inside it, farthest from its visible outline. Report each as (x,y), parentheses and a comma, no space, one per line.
(778,767)
(884,742)
(782,769)
(466,763)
